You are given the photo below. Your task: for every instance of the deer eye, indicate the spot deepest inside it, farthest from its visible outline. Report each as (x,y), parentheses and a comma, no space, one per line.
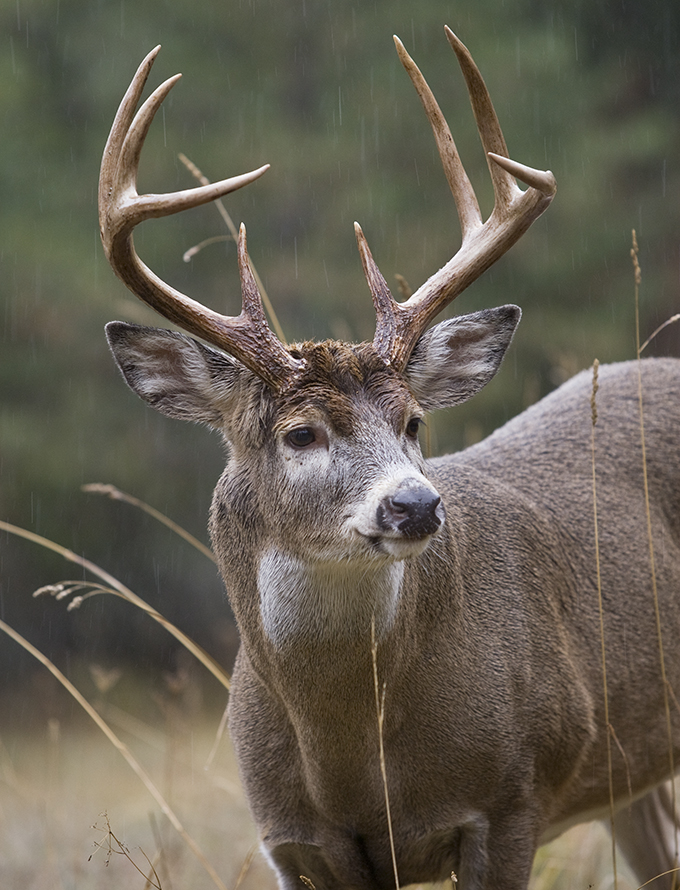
(412,427)
(301,437)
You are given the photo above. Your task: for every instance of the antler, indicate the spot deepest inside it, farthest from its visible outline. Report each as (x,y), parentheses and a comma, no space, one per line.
(399,325)
(247,337)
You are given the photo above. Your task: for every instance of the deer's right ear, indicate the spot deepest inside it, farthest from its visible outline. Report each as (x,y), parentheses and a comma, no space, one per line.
(175,374)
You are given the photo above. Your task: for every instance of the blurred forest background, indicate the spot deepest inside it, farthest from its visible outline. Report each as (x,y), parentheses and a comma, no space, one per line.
(314,87)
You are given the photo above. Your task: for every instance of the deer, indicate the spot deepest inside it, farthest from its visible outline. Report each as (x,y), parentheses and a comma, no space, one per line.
(464,586)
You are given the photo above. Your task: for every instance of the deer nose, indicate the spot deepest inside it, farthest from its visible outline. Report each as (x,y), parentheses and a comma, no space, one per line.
(415,510)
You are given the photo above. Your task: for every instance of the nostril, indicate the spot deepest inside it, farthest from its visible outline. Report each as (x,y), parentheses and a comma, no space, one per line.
(399,508)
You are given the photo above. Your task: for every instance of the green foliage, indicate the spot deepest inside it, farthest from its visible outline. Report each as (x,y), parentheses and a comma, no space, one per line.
(315,88)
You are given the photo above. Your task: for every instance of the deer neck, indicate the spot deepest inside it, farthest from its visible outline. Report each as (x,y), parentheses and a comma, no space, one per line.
(303,601)
(317,621)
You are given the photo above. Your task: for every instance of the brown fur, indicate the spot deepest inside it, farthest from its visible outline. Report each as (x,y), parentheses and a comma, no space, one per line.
(335,375)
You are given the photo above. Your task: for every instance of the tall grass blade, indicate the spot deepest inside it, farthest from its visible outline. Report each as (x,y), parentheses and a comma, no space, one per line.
(117,495)
(380,711)
(655,595)
(649,339)
(224,213)
(609,729)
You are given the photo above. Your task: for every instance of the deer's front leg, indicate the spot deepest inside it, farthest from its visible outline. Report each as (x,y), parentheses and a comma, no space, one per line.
(498,851)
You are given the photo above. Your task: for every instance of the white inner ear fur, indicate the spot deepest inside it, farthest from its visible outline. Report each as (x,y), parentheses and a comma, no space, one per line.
(174,374)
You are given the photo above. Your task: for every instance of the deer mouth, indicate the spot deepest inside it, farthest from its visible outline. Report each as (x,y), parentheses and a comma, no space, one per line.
(397,547)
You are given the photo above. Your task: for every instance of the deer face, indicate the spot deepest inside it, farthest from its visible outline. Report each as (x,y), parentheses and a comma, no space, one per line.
(329,469)
(325,471)
(342,461)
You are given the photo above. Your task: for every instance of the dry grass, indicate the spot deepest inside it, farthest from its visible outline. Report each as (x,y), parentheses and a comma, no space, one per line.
(580,860)
(59,777)
(61,780)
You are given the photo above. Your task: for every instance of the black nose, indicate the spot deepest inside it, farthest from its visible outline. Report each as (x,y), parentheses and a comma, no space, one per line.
(413,509)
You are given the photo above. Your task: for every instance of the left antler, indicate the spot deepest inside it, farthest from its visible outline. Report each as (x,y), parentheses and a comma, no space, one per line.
(246,337)
(399,325)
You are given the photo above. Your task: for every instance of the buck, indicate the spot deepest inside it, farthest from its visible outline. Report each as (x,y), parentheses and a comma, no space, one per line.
(475,574)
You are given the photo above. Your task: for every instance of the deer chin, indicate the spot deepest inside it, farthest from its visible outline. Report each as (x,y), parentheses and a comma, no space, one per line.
(377,545)
(405,548)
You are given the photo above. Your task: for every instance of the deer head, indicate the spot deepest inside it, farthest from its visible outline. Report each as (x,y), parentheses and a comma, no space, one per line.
(324,436)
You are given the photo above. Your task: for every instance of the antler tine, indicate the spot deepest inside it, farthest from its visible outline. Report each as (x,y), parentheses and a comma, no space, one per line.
(247,337)
(491,135)
(121,125)
(464,196)
(257,345)
(383,301)
(488,126)
(542,180)
(400,325)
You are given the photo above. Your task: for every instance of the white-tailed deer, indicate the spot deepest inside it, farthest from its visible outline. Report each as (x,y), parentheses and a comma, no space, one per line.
(477,571)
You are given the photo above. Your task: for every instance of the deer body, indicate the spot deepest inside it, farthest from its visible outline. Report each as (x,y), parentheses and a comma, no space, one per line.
(467,583)
(494,728)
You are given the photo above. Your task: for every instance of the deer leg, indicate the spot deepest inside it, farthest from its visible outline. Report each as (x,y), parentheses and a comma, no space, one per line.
(646,835)
(500,853)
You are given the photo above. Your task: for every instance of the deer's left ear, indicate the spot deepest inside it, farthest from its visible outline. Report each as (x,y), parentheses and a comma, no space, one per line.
(455,359)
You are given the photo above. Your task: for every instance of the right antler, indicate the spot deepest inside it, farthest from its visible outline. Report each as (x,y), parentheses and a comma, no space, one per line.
(246,337)
(399,325)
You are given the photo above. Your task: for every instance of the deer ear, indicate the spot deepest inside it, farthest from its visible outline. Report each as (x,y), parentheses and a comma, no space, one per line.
(175,374)
(453,360)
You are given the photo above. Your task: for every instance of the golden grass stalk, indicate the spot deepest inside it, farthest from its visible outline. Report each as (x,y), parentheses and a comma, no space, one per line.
(609,729)
(224,213)
(117,495)
(247,862)
(649,339)
(671,871)
(119,589)
(380,711)
(218,738)
(146,780)
(655,596)
(189,254)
